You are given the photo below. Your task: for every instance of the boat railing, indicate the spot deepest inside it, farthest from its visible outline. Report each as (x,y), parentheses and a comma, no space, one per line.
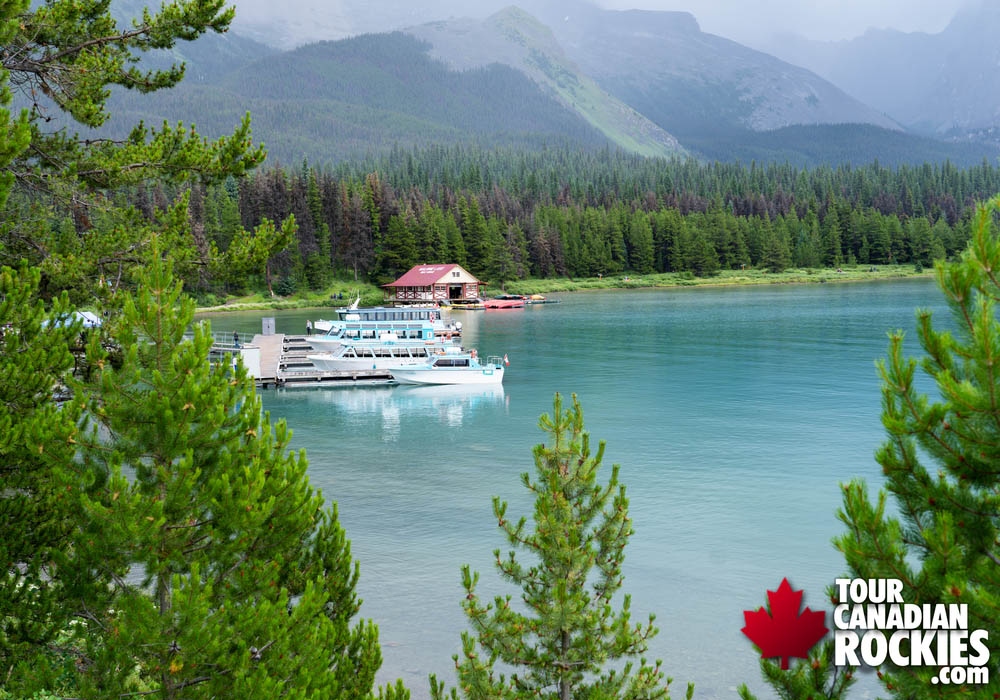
(222,340)
(494,360)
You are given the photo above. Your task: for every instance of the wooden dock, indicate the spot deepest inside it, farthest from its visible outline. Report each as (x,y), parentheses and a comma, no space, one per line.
(283,362)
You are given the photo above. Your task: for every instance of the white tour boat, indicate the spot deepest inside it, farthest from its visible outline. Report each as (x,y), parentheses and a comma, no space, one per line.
(389,354)
(375,333)
(453,366)
(412,314)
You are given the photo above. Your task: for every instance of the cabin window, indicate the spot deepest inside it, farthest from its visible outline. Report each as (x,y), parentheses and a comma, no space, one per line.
(456,273)
(451,363)
(380,316)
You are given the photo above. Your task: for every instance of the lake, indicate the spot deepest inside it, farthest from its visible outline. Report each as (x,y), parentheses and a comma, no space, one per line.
(735,414)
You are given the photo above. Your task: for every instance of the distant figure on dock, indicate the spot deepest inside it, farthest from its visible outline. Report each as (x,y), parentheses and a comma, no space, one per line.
(236,339)
(309,327)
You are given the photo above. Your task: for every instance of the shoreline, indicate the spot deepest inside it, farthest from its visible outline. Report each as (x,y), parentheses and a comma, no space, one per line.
(565,285)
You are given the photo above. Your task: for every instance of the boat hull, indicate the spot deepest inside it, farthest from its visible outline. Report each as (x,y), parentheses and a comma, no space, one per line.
(329,363)
(448,375)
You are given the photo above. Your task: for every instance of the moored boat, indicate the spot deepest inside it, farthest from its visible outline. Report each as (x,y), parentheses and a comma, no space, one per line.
(412,314)
(505,303)
(374,333)
(453,366)
(388,355)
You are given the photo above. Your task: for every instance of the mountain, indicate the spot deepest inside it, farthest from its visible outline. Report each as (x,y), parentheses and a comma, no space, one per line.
(513,37)
(628,79)
(941,83)
(340,99)
(685,80)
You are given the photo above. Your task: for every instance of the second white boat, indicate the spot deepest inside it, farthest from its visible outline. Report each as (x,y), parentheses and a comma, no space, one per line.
(452,366)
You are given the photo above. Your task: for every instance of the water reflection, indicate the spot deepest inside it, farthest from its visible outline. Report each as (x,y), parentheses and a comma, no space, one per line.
(452,406)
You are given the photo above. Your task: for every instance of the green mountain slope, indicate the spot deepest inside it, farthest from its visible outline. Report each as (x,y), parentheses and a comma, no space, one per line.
(333,100)
(515,38)
(662,64)
(808,146)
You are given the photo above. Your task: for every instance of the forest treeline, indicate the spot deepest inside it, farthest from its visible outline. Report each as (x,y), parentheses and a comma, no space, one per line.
(507,215)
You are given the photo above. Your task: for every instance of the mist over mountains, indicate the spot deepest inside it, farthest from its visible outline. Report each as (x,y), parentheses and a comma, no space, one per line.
(568,73)
(946,83)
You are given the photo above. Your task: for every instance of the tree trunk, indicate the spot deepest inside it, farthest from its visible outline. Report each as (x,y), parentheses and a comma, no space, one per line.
(564,689)
(267,277)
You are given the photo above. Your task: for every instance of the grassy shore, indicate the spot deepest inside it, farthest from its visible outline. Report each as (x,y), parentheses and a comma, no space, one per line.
(851,273)
(372,295)
(347,290)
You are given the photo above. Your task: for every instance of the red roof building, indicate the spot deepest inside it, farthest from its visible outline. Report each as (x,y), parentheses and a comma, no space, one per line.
(428,283)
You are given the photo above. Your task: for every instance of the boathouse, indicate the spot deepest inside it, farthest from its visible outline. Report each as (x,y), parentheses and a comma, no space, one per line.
(424,283)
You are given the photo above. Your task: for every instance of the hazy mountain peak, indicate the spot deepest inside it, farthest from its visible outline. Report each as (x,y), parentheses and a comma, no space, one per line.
(930,82)
(518,39)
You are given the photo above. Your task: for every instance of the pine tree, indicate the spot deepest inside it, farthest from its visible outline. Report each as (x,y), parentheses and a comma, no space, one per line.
(74,52)
(474,235)
(36,516)
(776,255)
(640,243)
(252,252)
(940,462)
(501,265)
(830,239)
(816,678)
(247,586)
(569,631)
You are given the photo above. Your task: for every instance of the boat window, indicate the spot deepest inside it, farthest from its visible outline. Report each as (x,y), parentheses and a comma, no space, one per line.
(380,316)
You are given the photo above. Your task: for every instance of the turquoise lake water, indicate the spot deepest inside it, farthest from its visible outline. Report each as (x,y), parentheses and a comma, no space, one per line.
(734,412)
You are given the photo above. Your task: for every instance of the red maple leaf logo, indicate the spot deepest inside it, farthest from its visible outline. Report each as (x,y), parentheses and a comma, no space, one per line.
(784,632)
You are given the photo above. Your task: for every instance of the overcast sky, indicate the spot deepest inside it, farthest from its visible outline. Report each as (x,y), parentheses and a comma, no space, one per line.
(744,20)
(753,22)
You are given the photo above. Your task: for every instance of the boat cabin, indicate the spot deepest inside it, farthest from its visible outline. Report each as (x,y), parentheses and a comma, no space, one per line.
(387,313)
(374,330)
(426,283)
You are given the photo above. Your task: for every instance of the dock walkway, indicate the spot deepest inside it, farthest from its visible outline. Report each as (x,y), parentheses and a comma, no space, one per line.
(283,362)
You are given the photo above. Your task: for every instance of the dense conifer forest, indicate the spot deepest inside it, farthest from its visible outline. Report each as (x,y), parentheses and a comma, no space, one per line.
(513,214)
(509,214)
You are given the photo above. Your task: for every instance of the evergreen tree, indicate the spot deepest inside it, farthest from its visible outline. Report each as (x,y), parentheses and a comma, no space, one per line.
(73,52)
(807,246)
(940,463)
(252,252)
(247,586)
(830,239)
(474,235)
(921,241)
(940,538)
(456,244)
(815,678)
(776,255)
(559,647)
(640,243)
(36,516)
(398,253)
(700,256)
(500,266)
